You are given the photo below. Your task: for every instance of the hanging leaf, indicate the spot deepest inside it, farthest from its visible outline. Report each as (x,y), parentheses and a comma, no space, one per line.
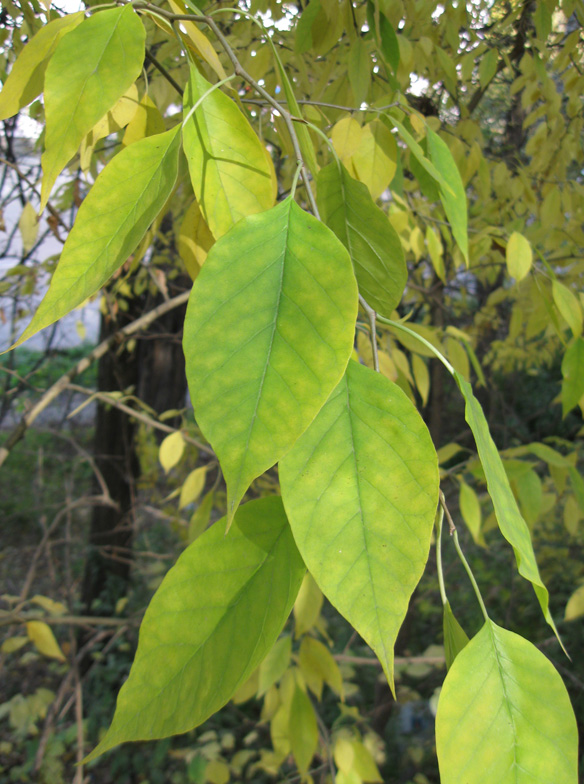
(519,256)
(303,39)
(274,665)
(25,80)
(316,660)
(302,730)
(346,137)
(29,227)
(84,80)
(359,70)
(43,638)
(216,615)
(569,306)
(455,638)
(511,523)
(421,377)
(385,34)
(260,367)
(304,140)
(375,248)
(375,160)
(230,174)
(504,715)
(307,606)
(194,240)
(147,121)
(193,486)
(470,509)
(573,375)
(452,195)
(200,519)
(361,488)
(196,40)
(125,199)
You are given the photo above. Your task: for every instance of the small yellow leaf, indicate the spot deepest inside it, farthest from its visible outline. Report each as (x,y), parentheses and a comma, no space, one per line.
(28,226)
(194,240)
(44,639)
(146,121)
(519,256)
(50,605)
(365,765)
(171,450)
(192,486)
(575,606)
(421,377)
(13,644)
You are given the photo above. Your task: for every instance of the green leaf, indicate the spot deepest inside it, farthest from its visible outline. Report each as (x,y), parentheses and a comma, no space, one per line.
(511,523)
(453,196)
(274,665)
(573,375)
(519,256)
(569,306)
(25,80)
(455,638)
(303,39)
(125,199)
(375,249)
(302,729)
(386,36)
(92,68)
(268,334)
(228,166)
(359,70)
(574,607)
(200,519)
(216,615)
(417,152)
(504,716)
(361,488)
(488,67)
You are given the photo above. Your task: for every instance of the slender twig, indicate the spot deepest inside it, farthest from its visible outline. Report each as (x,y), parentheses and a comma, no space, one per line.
(31,185)
(439,568)
(12,619)
(451,526)
(150,57)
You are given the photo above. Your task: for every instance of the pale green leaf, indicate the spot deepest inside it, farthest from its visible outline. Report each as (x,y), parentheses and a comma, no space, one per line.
(375,160)
(125,199)
(574,607)
(25,80)
(215,616)
(504,716)
(573,375)
(92,68)
(307,606)
(192,486)
(200,519)
(470,509)
(360,488)
(375,248)
(421,377)
(315,658)
(488,67)
(268,333)
(455,638)
(364,763)
(171,450)
(511,523)
(436,252)
(569,306)
(274,665)
(453,196)
(359,70)
(229,171)
(303,39)
(28,225)
(519,256)
(13,644)
(302,729)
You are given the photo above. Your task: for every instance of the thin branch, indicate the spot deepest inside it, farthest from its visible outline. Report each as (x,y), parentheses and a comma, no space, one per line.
(150,57)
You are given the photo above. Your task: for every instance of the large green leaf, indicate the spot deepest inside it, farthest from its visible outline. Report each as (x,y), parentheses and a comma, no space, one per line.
(375,249)
(125,199)
(360,489)
(92,68)
(25,80)
(453,197)
(512,525)
(268,334)
(216,615)
(504,716)
(229,170)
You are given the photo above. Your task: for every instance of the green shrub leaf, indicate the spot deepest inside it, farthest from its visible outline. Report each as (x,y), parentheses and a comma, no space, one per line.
(216,615)
(360,488)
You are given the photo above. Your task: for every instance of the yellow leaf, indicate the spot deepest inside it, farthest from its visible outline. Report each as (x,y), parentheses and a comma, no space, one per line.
(44,639)
(13,644)
(307,606)
(436,250)
(192,486)
(519,256)
(421,377)
(569,306)
(365,766)
(375,160)
(146,121)
(344,754)
(50,605)
(28,226)
(196,41)
(317,664)
(194,240)
(575,606)
(458,357)
(217,772)
(171,450)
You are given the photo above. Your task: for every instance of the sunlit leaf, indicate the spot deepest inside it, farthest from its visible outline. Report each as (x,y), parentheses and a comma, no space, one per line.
(470,509)
(196,40)
(504,715)
(375,248)
(192,486)
(84,80)
(360,488)
(29,226)
(147,121)
(375,160)
(307,606)
(215,616)
(194,240)
(171,450)
(43,638)
(260,367)
(519,256)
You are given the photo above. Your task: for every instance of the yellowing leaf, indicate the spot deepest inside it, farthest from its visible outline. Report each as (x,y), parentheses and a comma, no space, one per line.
(421,377)
(274,665)
(364,763)
(436,252)
(84,80)
(302,730)
(573,375)
(217,772)
(200,519)
(25,80)
(171,450)
(316,659)
(194,240)
(195,39)
(146,121)
(575,605)
(470,509)
(375,160)
(192,486)
(519,256)
(307,606)
(569,306)
(42,636)
(13,644)
(346,137)
(29,227)
(50,605)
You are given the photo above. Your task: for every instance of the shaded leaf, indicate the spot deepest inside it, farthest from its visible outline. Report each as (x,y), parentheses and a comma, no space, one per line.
(307,606)
(29,226)
(147,121)
(360,488)
(574,607)
(84,80)
(194,240)
(200,519)
(573,375)
(43,638)
(302,729)
(569,306)
(470,509)
(216,614)
(455,638)
(274,665)
(196,40)
(359,70)
(375,248)
(260,367)
(504,715)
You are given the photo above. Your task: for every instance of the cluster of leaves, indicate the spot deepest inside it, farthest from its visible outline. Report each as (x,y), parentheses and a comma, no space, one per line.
(273,331)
